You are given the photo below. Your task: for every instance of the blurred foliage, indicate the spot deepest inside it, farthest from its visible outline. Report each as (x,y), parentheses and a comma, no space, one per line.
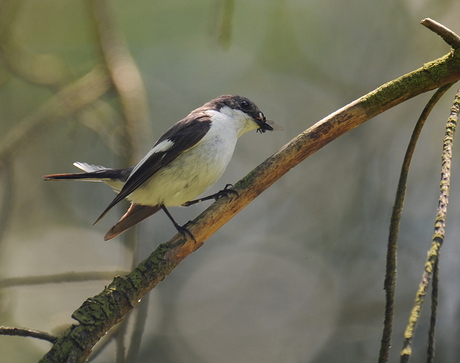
(310,251)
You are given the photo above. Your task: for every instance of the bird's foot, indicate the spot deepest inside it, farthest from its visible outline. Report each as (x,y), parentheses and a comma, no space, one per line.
(226,192)
(184,231)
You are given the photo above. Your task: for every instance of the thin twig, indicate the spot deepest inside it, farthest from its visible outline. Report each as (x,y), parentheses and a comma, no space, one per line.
(63,104)
(27,333)
(434,313)
(120,342)
(222,25)
(139,327)
(126,79)
(439,229)
(7,197)
(390,274)
(103,344)
(445,33)
(60,278)
(47,70)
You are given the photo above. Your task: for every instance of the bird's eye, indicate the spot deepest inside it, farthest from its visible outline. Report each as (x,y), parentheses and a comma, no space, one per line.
(245,105)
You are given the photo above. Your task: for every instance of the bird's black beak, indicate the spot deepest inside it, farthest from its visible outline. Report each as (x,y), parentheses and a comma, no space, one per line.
(263,125)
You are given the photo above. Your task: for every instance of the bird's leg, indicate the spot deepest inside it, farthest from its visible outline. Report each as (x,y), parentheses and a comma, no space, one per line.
(181,229)
(221,193)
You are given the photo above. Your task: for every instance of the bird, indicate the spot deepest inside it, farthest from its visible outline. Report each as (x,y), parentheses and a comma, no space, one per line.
(185,162)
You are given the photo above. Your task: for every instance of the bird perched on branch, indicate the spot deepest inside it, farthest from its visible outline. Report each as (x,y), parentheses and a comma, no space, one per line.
(185,162)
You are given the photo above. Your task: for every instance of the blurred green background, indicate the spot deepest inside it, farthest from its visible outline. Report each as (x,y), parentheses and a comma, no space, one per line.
(297,276)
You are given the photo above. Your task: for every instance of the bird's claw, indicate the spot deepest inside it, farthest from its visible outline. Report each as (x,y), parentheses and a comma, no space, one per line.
(184,231)
(225,192)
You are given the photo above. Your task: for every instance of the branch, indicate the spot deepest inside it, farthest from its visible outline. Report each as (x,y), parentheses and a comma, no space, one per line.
(445,33)
(27,333)
(7,191)
(58,278)
(126,79)
(392,246)
(64,104)
(431,263)
(98,314)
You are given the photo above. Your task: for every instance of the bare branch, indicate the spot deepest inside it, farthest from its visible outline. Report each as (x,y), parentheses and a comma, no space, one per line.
(7,192)
(59,278)
(71,99)
(126,79)
(27,333)
(445,33)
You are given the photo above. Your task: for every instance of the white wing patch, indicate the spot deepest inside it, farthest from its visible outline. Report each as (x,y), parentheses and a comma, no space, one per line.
(161,147)
(88,167)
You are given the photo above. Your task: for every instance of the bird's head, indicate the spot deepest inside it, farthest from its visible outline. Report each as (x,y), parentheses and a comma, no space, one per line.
(245,112)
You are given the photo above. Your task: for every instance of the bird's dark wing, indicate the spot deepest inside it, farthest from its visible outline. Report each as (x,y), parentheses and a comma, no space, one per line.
(183,135)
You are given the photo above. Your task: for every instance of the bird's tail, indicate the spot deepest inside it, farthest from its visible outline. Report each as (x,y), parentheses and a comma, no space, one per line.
(135,214)
(93,173)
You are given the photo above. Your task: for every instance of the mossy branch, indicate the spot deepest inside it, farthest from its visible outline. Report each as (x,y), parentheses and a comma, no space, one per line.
(431,264)
(98,314)
(390,273)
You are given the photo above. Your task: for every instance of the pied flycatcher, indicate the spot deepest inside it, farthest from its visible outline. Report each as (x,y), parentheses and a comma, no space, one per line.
(185,162)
